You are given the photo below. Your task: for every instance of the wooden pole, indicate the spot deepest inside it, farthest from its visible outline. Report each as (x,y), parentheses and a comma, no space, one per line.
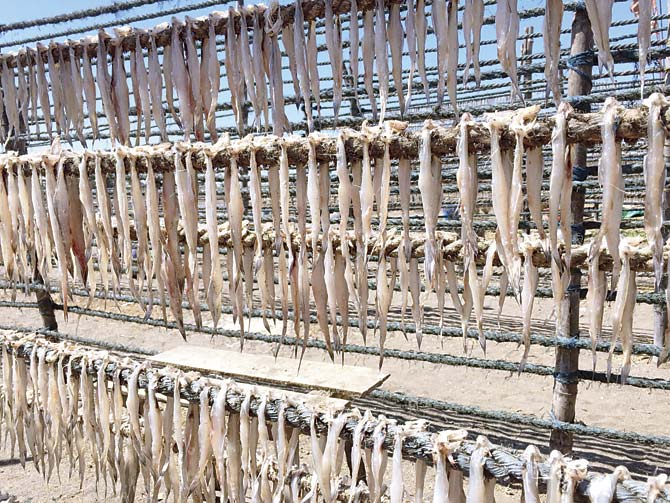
(567,360)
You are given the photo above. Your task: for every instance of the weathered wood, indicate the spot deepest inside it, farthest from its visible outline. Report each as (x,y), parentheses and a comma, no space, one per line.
(341,381)
(582,128)
(566,379)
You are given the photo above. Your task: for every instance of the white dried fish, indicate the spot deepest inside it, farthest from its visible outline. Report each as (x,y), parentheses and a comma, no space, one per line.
(556,466)
(611,180)
(603,488)
(119,83)
(530,474)
(89,85)
(216,279)
(643,10)
(167,74)
(452,47)
(528,291)
(560,193)
(104,82)
(395,39)
(622,312)
(600,15)
(473,19)
(477,482)
(534,173)
(143,86)
(181,79)
(301,62)
(334,46)
(156,86)
(575,471)
(381,57)
(312,68)
(507,32)
(193,69)
(368,58)
(551,37)
(430,186)
(654,177)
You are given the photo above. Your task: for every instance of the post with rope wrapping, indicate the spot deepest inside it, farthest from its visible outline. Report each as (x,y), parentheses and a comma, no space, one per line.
(566,375)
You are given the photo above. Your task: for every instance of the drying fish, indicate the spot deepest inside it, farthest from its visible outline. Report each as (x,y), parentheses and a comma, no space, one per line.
(368,58)
(530,474)
(410,35)
(600,15)
(141,229)
(186,184)
(193,68)
(473,19)
(560,194)
(236,213)
(654,178)
(477,484)
(248,65)
(622,312)
(10,97)
(521,124)
(143,86)
(58,217)
(180,78)
(89,85)
(216,279)
(353,47)
(172,272)
(300,52)
(501,187)
(334,46)
(155,240)
(595,298)
(575,471)
(534,172)
(551,36)
(610,175)
(156,86)
(120,86)
(430,186)
(655,486)
(312,66)
(43,90)
(643,10)
(603,488)
(530,281)
(440,27)
(395,40)
(452,47)
(466,179)
(421,33)
(507,31)
(104,82)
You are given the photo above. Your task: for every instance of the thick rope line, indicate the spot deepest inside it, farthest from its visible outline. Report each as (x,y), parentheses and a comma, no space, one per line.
(438,359)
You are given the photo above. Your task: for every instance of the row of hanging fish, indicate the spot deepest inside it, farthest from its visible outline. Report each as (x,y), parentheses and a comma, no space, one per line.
(68,406)
(151,224)
(56,86)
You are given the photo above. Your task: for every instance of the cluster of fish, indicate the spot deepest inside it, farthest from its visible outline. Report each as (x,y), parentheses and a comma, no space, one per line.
(167,65)
(67,403)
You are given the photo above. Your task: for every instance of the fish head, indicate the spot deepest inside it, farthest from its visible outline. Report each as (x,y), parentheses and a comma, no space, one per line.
(621,473)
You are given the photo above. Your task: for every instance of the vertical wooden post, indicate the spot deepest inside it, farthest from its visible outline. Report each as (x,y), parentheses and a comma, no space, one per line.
(567,360)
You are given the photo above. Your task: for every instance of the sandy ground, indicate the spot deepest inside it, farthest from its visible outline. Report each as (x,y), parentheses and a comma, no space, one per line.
(612,406)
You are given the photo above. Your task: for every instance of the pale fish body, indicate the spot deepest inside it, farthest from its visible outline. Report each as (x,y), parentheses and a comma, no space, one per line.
(654,178)
(43,89)
(155,239)
(356,452)
(534,172)
(167,76)
(440,28)
(476,480)
(368,58)
(622,312)
(312,65)
(600,15)
(595,299)
(313,191)
(421,33)
(603,488)
(301,62)
(575,471)
(180,78)
(216,282)
(466,180)
(452,47)
(219,433)
(354,43)
(611,179)
(156,87)
(367,195)
(379,457)
(530,474)
(333,40)
(551,36)
(556,466)
(143,86)
(656,486)
(404,251)
(645,8)
(410,36)
(120,91)
(560,188)
(530,281)
(141,227)
(395,40)
(430,186)
(500,188)
(507,31)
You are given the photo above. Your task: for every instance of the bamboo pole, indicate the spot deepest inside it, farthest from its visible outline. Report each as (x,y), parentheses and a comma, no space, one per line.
(566,378)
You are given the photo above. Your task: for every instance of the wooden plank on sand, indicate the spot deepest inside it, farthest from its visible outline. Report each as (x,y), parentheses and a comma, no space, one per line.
(341,381)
